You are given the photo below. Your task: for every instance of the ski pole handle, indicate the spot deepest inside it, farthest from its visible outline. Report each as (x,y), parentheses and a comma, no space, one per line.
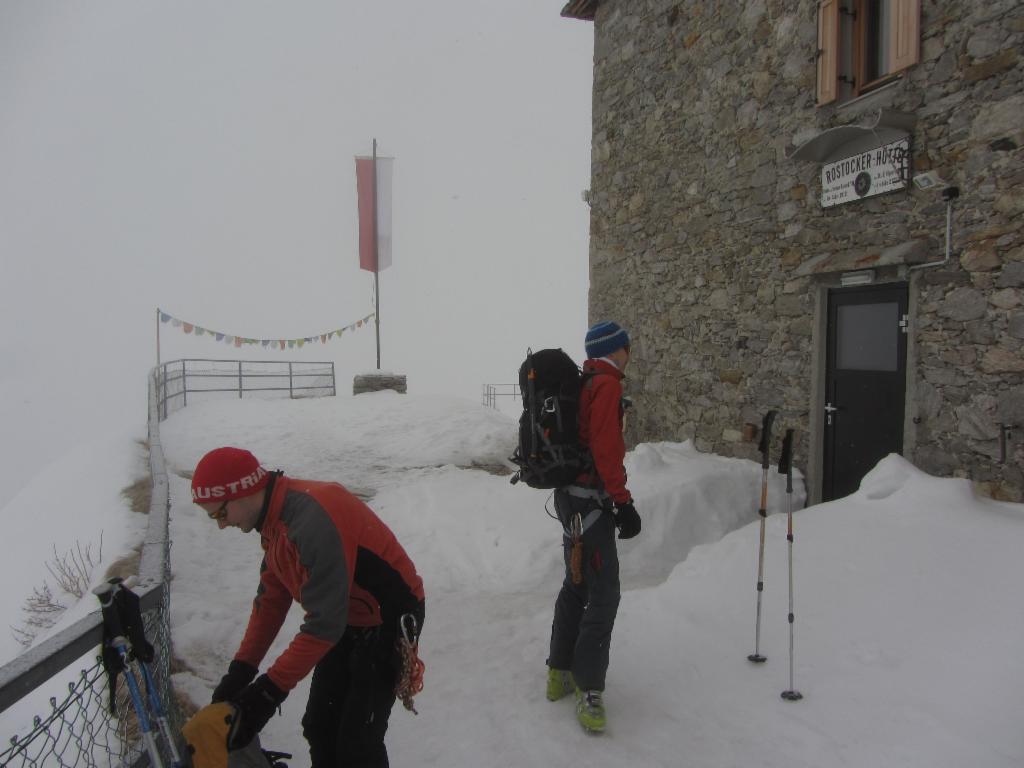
(786,460)
(766,436)
(787,455)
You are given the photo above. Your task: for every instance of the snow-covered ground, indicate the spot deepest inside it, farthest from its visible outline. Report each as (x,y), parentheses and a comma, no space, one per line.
(907,594)
(69,506)
(907,599)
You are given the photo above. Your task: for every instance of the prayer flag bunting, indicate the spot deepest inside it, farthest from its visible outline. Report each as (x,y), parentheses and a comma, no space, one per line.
(239,341)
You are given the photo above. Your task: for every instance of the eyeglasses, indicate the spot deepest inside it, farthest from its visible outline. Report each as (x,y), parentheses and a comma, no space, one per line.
(220,513)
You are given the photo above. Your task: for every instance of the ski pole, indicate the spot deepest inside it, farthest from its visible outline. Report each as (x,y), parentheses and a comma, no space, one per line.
(161,715)
(105,593)
(154,696)
(764,447)
(786,468)
(156,705)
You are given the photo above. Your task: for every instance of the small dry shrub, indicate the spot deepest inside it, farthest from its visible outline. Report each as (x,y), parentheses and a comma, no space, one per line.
(139,495)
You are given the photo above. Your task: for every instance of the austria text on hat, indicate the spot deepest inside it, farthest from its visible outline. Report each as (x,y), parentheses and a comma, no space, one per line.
(219,491)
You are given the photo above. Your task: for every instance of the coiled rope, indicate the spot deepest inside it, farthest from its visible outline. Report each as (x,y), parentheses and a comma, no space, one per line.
(410,681)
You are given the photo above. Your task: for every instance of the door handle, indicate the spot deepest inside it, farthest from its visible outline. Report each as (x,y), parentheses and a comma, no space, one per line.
(829,410)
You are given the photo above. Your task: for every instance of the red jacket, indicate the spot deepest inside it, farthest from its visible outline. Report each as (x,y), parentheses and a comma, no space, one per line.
(327,550)
(601,426)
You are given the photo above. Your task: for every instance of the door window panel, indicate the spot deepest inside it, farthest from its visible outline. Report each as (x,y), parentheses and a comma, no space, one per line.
(867,337)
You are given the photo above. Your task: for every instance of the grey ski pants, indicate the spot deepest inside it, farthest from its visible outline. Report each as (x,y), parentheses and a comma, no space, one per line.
(581,631)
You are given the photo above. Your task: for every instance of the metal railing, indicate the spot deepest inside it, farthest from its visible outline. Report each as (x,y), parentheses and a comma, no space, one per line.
(491,393)
(79,728)
(179,380)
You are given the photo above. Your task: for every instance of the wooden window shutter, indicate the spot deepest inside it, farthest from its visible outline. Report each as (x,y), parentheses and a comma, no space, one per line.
(905,40)
(828,50)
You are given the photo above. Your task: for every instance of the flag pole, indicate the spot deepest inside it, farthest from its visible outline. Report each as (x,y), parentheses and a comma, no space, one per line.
(158,337)
(376,257)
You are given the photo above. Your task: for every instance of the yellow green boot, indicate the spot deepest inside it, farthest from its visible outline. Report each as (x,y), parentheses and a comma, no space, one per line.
(590,711)
(560,683)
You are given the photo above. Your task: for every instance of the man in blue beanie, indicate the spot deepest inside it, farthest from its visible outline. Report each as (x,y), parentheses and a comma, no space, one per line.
(590,510)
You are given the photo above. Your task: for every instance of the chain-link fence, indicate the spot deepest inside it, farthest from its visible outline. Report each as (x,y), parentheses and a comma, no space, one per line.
(64,676)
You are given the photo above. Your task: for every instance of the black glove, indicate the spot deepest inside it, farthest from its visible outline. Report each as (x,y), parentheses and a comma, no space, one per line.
(627,520)
(122,618)
(239,675)
(256,704)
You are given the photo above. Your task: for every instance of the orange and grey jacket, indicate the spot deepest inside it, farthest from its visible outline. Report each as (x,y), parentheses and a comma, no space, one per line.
(327,550)
(601,426)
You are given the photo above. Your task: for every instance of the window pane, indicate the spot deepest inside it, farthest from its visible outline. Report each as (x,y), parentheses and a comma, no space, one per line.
(876,43)
(867,337)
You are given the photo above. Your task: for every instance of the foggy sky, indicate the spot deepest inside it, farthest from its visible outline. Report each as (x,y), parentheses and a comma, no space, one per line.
(198,157)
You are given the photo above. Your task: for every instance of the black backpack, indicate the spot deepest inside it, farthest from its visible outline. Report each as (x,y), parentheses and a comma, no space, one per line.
(549,454)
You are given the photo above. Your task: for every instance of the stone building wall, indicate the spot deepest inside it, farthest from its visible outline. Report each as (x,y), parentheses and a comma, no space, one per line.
(712,247)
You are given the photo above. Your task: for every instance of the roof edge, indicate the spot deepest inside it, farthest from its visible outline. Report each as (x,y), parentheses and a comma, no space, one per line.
(580,9)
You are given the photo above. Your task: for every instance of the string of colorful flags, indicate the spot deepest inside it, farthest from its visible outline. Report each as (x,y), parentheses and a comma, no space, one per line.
(238,341)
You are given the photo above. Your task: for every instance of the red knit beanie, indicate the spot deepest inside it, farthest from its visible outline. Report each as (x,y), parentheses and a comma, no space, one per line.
(226,474)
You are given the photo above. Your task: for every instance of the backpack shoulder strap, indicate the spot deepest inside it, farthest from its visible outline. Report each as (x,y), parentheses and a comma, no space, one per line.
(587,377)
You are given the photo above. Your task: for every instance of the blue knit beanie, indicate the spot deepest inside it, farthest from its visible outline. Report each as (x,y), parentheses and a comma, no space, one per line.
(605,338)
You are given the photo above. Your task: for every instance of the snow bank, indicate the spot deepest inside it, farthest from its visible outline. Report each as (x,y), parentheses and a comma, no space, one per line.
(905,648)
(359,441)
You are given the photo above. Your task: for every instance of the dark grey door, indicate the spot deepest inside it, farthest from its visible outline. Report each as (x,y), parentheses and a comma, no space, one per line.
(865,383)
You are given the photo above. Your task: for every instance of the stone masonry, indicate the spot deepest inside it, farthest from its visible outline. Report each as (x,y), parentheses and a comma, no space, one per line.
(710,243)
(378,382)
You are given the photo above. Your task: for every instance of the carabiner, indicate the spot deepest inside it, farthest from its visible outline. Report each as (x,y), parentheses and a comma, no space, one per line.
(408,633)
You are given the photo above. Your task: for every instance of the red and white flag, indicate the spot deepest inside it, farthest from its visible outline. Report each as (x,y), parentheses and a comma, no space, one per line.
(374,245)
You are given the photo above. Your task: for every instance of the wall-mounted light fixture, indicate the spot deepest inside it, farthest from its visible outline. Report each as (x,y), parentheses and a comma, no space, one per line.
(928,180)
(861,277)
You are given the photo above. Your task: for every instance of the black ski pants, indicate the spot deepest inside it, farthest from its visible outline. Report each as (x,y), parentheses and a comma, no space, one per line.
(581,631)
(350,700)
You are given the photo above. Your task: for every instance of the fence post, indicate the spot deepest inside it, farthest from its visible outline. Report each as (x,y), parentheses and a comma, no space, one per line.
(184,386)
(291,394)
(334,388)
(239,379)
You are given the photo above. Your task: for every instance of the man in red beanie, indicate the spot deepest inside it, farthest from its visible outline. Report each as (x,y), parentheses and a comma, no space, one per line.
(327,550)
